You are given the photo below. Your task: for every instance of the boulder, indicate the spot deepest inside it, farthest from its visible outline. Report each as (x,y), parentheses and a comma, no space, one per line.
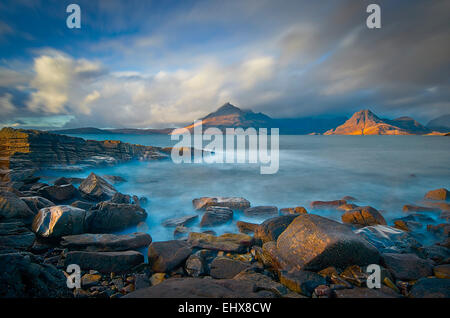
(36,203)
(406,224)
(270,257)
(105,262)
(58,221)
(271,229)
(246,227)
(364,216)
(224,267)
(442,271)
(196,265)
(416,208)
(166,256)
(303,282)
(106,242)
(261,211)
(96,188)
(233,203)
(296,210)
(83,205)
(114,179)
(107,217)
(312,242)
(327,204)
(262,282)
(180,232)
(58,193)
(347,207)
(216,215)
(180,221)
(15,235)
(228,242)
(121,198)
(407,266)
(438,194)
(12,207)
(64,180)
(431,288)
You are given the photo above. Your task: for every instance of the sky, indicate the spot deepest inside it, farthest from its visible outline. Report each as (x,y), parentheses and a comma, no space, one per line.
(154,64)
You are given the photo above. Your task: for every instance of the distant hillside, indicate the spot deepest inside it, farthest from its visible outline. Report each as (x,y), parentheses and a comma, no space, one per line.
(365,122)
(97,131)
(441,124)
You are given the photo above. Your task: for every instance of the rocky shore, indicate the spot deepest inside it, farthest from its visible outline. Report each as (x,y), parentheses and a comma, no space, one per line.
(294,253)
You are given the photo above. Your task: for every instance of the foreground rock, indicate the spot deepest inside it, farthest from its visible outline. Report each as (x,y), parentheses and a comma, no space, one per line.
(13,208)
(303,282)
(227,242)
(97,188)
(107,217)
(106,242)
(15,235)
(271,229)
(36,203)
(312,242)
(201,288)
(296,210)
(261,211)
(417,208)
(58,221)
(105,262)
(165,256)
(438,194)
(58,193)
(224,267)
(364,216)
(431,288)
(215,216)
(181,221)
(407,266)
(327,204)
(233,203)
(246,227)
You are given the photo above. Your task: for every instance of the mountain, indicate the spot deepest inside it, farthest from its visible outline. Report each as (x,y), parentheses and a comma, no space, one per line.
(441,124)
(365,122)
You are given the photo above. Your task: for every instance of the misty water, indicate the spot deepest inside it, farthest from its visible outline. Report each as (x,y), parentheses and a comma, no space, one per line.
(385,172)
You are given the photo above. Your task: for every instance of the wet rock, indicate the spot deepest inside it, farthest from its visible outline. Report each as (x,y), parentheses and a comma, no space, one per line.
(199,287)
(180,221)
(121,198)
(261,211)
(106,242)
(196,265)
(407,266)
(441,230)
(105,262)
(327,204)
(347,207)
(323,291)
(58,194)
(12,207)
(89,280)
(361,292)
(157,278)
(262,282)
(355,275)
(58,221)
(442,271)
(166,256)
(438,194)
(83,205)
(437,253)
(107,217)
(271,229)
(312,242)
(303,282)
(225,268)
(180,232)
(15,235)
(114,179)
(227,242)
(270,257)
(364,216)
(233,203)
(36,203)
(246,227)
(431,288)
(445,215)
(416,208)
(97,188)
(64,180)
(407,225)
(216,215)
(22,276)
(141,281)
(296,210)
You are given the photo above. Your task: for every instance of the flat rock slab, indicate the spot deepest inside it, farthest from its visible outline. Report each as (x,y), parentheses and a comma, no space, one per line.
(327,204)
(200,288)
(215,216)
(105,262)
(106,242)
(15,235)
(165,256)
(227,242)
(224,267)
(181,221)
(36,203)
(407,266)
(12,207)
(233,203)
(261,211)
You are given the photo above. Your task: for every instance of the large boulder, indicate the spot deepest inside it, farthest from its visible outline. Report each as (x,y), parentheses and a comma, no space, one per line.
(312,242)
(96,188)
(15,235)
(36,203)
(228,242)
(431,288)
(233,203)
(107,217)
(22,276)
(106,242)
(12,207)
(363,215)
(58,221)
(327,204)
(438,194)
(105,262)
(224,267)
(216,215)
(270,229)
(180,221)
(407,266)
(165,256)
(58,193)
(261,211)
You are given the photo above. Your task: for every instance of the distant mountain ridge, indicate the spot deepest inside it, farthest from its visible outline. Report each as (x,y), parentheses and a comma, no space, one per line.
(441,124)
(98,131)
